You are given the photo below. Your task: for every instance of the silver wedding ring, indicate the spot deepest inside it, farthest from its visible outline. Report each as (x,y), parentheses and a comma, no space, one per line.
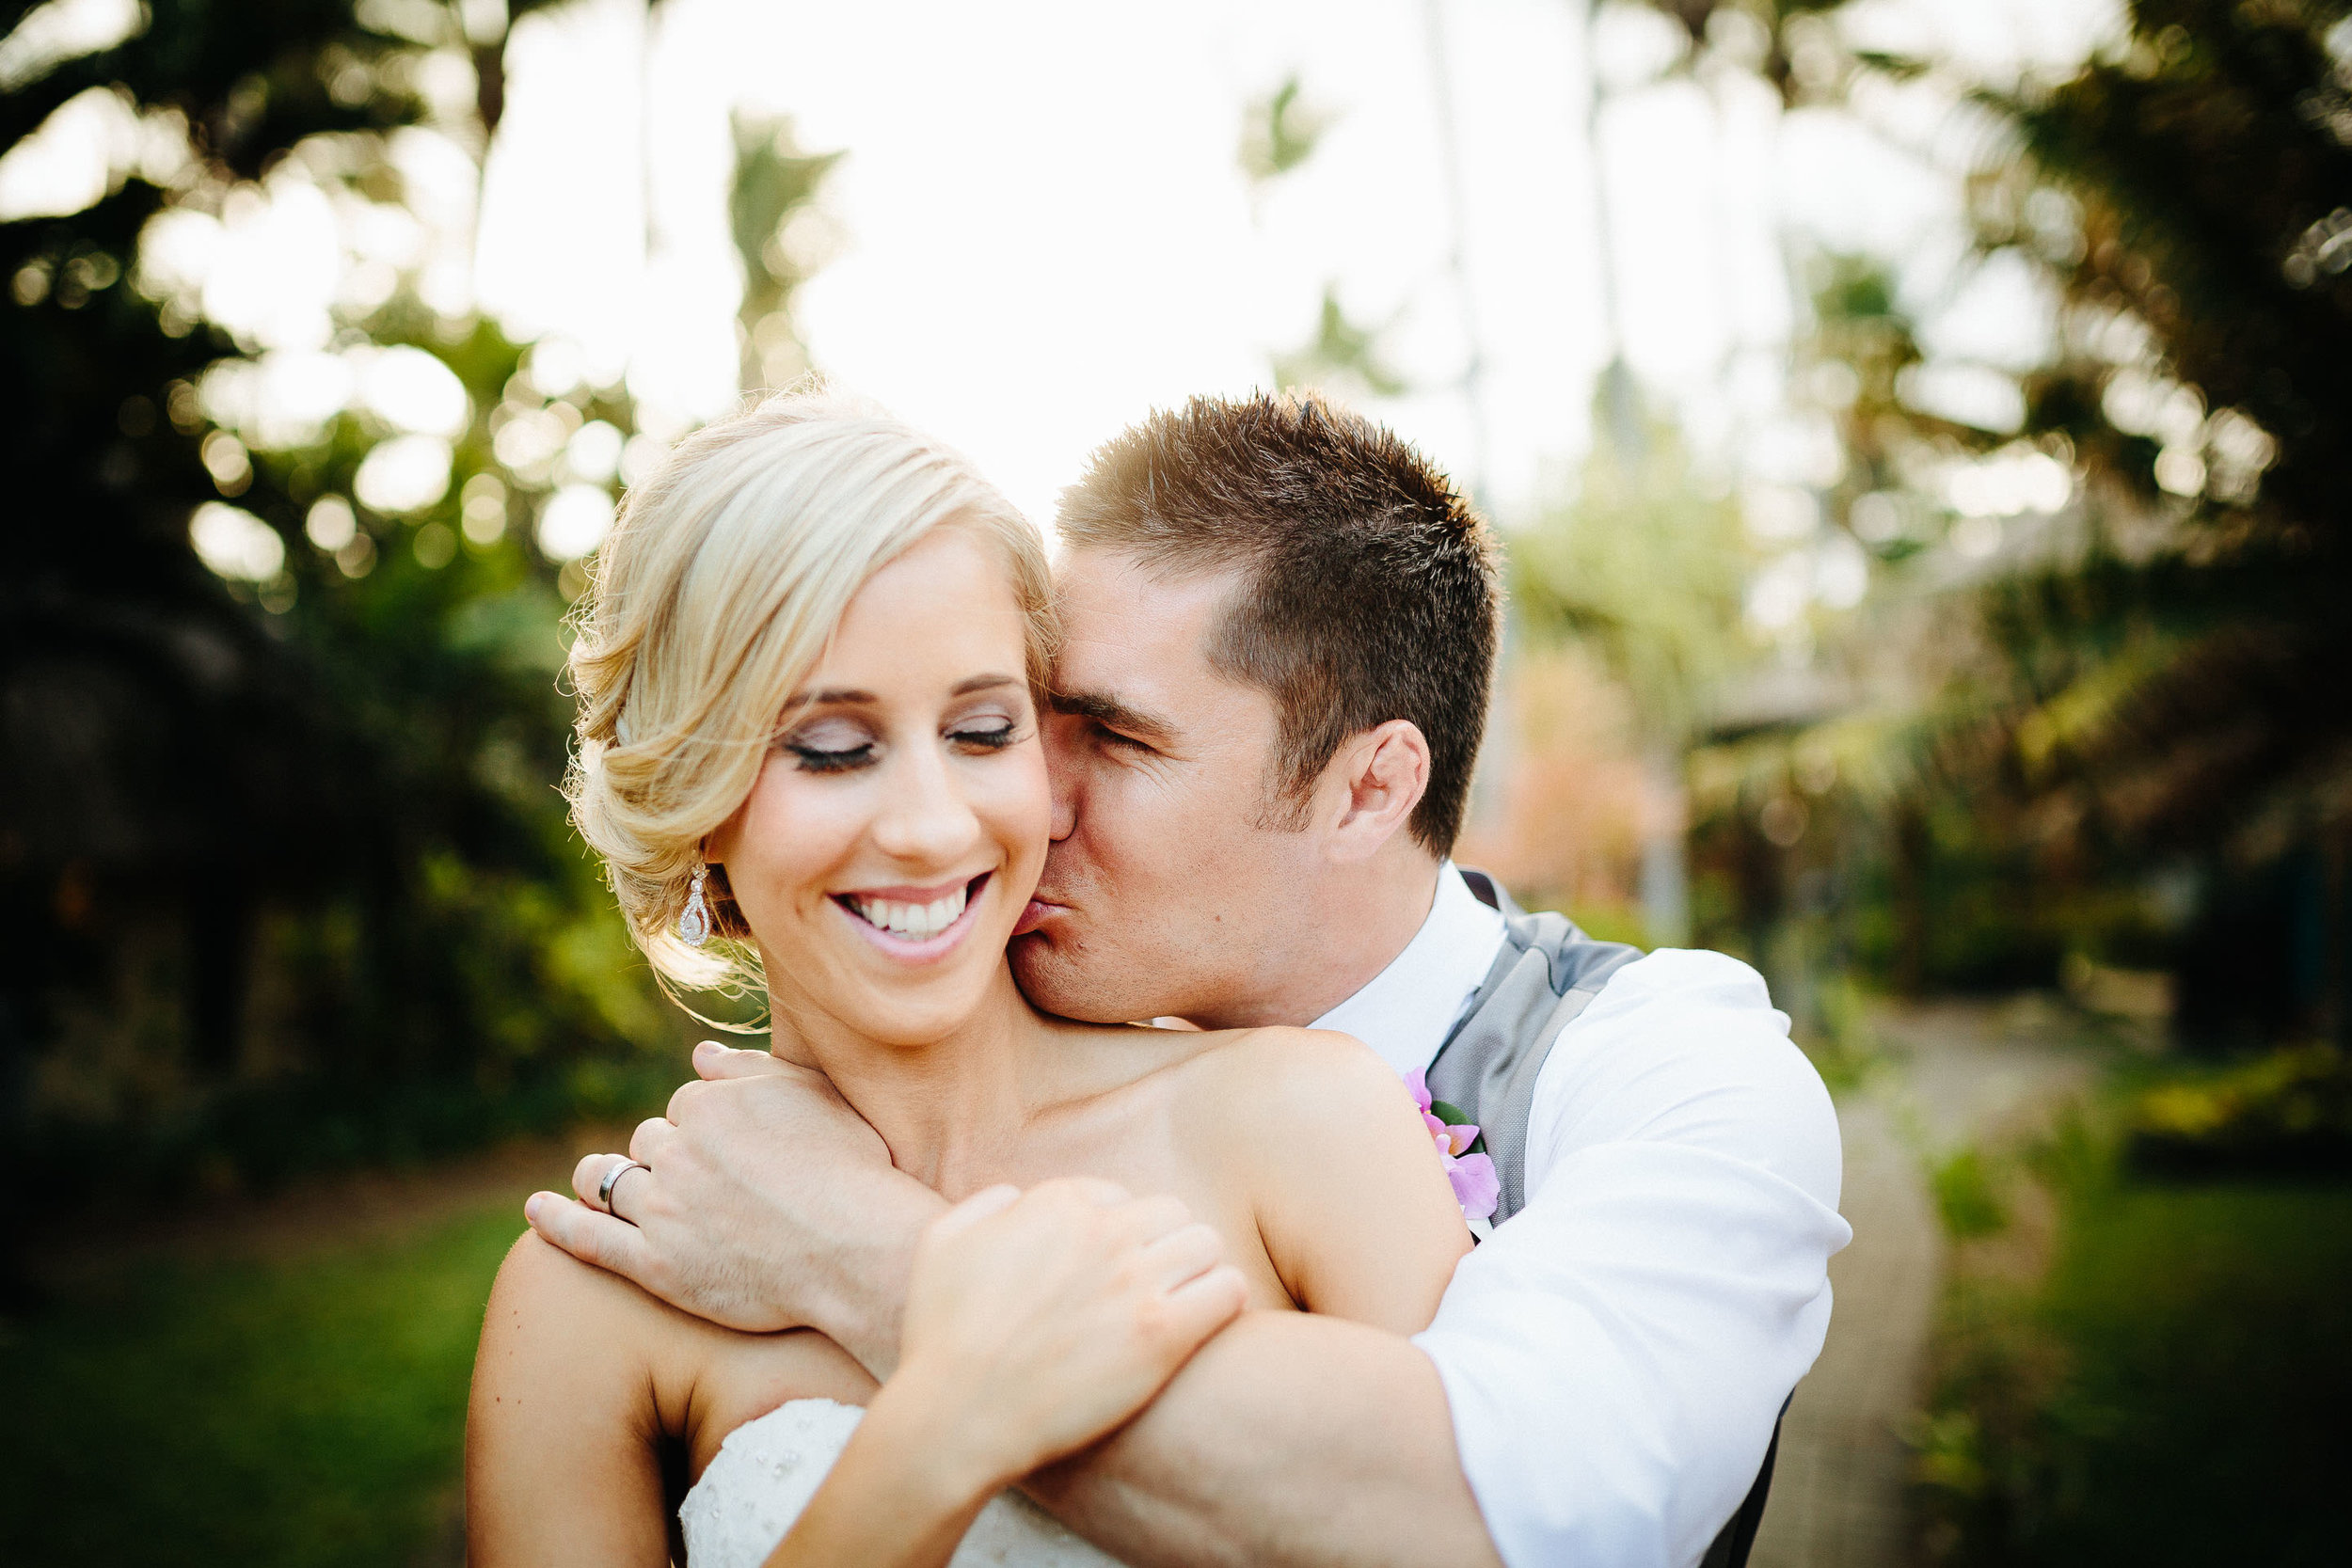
(604,1188)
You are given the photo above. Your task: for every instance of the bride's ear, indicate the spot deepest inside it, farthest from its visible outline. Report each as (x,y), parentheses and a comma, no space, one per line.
(718,846)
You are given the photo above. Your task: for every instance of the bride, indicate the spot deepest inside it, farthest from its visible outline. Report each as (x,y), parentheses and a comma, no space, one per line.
(808,687)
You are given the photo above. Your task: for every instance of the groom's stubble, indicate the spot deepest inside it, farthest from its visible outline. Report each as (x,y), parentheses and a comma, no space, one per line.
(1171,888)
(1281,626)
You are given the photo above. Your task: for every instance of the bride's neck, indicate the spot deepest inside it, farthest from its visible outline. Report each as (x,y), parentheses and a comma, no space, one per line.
(948,1108)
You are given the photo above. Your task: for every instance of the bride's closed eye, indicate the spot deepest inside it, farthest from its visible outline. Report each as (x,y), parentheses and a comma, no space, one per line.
(830,746)
(841,745)
(992,733)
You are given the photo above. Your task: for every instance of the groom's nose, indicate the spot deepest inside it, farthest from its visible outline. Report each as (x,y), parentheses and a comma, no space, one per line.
(1062,773)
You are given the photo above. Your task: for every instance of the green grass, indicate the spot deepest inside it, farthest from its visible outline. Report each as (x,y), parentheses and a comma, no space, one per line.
(2178,1390)
(306,1412)
(1966,1199)
(2208,1413)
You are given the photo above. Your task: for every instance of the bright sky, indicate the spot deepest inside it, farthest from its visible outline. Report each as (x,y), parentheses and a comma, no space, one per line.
(1048,233)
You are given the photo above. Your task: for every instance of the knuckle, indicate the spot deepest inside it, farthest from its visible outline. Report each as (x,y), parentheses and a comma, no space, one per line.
(1158,1328)
(586,1174)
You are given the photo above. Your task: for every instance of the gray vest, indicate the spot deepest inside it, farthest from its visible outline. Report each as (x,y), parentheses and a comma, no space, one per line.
(1546,974)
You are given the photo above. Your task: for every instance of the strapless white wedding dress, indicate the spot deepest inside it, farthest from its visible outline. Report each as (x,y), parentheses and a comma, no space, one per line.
(766,1470)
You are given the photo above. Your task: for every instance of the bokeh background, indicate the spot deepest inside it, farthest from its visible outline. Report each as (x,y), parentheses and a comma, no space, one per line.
(1920,433)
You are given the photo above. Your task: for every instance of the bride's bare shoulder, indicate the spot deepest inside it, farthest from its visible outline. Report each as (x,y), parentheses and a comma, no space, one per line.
(1286,1082)
(568,1333)
(541,1289)
(1294,1073)
(558,1326)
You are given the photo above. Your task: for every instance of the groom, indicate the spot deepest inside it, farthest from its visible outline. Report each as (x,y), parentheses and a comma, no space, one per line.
(1280,629)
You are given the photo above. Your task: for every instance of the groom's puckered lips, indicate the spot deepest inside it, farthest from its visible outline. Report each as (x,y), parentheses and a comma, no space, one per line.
(1039,911)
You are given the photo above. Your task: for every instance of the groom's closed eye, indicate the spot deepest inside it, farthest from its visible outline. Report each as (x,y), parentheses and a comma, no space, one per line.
(1114,722)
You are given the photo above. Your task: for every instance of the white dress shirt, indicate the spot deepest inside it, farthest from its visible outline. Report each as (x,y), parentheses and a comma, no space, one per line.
(1617,1353)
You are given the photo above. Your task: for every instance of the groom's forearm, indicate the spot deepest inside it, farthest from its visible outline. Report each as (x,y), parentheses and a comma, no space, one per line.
(865,1277)
(1290,1440)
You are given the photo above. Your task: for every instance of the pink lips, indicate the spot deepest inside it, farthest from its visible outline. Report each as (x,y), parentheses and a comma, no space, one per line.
(908,949)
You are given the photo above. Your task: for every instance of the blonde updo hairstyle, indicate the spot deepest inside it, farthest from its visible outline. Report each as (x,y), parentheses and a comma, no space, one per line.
(710,602)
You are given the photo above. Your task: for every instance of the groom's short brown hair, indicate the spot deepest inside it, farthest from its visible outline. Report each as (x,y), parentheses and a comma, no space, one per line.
(1371,587)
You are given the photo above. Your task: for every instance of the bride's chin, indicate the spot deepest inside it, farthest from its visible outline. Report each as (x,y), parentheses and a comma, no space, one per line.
(911,1023)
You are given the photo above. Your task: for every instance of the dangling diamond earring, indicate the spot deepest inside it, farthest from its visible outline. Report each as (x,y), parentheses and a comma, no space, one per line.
(694,927)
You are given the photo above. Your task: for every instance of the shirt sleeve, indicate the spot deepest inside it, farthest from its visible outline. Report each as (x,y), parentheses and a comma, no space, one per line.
(1617,1353)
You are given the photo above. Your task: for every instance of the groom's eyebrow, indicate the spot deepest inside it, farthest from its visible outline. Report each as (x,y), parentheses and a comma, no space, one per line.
(1113,714)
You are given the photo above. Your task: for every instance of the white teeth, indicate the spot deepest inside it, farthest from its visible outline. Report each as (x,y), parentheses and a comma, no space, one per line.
(916,922)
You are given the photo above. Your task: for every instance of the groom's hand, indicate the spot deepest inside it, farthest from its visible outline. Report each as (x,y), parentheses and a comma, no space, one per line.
(766,1203)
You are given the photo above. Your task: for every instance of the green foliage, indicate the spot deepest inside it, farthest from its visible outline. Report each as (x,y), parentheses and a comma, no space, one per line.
(1842,1045)
(2171,1393)
(1341,355)
(2287,1110)
(1279,132)
(1966,1198)
(284,875)
(1646,566)
(2180,676)
(774,181)
(2148,675)
(298,1411)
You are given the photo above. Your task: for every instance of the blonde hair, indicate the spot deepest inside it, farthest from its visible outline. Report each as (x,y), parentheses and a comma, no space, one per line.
(711,600)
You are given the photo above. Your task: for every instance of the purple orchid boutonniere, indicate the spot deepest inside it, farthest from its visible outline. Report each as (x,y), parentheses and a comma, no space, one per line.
(1461,1150)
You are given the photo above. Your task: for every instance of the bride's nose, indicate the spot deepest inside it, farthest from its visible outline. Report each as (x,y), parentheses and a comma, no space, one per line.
(924,818)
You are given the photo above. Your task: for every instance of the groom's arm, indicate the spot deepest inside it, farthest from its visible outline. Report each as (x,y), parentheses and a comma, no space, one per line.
(1604,1370)
(1288,1440)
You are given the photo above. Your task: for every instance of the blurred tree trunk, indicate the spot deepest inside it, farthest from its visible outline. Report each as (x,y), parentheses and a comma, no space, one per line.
(1913,846)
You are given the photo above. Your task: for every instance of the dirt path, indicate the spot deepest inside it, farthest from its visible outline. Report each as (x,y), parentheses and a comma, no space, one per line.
(1955,1073)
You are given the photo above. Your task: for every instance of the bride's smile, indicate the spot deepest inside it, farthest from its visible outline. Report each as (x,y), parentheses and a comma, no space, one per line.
(899,820)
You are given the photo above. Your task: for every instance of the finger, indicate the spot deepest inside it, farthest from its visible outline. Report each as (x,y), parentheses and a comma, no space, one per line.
(590,1237)
(588,1179)
(652,1136)
(1198,1307)
(972,1209)
(1183,1255)
(713,1061)
(588,1176)
(634,1188)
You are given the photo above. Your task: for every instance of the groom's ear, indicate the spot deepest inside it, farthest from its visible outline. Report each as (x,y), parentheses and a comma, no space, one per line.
(1374,781)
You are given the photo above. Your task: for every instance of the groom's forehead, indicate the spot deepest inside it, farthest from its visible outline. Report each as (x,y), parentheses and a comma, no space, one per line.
(1116,610)
(1138,641)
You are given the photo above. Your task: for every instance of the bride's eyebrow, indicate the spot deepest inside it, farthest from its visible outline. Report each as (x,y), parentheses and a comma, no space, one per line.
(837,696)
